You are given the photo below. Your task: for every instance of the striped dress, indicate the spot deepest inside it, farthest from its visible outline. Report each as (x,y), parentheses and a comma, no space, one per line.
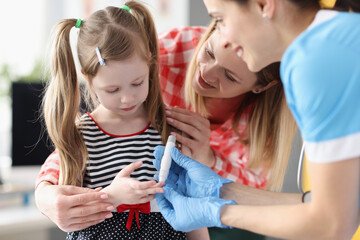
(108,154)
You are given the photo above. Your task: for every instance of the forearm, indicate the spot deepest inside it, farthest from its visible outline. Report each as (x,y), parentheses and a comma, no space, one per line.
(199,234)
(41,196)
(281,221)
(246,195)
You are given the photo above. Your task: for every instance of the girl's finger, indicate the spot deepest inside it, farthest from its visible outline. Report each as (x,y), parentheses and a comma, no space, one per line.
(125,172)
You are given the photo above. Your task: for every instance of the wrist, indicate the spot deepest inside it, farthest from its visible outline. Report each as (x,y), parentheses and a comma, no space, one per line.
(111,199)
(210,160)
(226,214)
(225,207)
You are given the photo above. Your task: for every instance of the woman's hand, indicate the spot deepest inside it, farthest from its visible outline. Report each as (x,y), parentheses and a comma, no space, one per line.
(196,130)
(72,208)
(125,190)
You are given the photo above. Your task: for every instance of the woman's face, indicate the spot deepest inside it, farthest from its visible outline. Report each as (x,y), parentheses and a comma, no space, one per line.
(246,30)
(220,72)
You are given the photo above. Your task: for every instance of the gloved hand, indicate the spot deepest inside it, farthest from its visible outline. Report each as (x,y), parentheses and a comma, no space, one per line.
(191,178)
(186,213)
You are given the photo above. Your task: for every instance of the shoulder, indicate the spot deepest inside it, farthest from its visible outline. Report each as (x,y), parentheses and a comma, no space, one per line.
(182,33)
(323,55)
(321,72)
(180,39)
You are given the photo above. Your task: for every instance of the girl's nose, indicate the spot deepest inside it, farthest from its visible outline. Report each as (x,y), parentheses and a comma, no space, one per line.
(127,98)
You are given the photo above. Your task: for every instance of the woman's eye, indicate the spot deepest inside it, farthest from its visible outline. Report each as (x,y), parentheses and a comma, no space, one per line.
(218,20)
(209,53)
(228,76)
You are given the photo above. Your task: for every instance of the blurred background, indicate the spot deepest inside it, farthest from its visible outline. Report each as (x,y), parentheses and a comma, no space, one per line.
(25,26)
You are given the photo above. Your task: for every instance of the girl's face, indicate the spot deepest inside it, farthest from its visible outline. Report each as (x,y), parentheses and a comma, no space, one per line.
(122,86)
(220,72)
(246,30)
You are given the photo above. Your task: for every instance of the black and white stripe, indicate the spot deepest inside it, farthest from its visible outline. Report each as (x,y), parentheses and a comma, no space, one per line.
(109,154)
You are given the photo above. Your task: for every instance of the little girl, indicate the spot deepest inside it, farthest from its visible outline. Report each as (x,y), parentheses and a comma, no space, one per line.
(118,54)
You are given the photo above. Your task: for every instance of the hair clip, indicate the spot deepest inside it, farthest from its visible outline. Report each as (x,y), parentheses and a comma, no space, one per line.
(78,23)
(101,60)
(125,8)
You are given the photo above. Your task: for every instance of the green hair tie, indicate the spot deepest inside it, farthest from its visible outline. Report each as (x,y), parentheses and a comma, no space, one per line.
(125,8)
(78,23)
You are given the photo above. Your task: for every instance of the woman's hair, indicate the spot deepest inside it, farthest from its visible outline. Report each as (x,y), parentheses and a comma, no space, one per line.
(270,127)
(118,34)
(344,5)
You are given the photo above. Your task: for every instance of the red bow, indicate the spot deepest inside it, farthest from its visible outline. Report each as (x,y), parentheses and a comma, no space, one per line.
(134,209)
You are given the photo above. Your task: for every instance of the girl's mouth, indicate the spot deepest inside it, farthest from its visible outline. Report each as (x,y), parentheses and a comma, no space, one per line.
(128,109)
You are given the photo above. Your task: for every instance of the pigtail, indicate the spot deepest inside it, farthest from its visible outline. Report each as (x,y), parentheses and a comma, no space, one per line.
(155,107)
(61,104)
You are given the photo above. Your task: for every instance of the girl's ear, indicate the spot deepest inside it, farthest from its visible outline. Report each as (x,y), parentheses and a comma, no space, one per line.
(258,89)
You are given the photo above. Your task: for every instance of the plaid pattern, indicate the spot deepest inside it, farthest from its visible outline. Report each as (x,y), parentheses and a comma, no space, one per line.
(176,49)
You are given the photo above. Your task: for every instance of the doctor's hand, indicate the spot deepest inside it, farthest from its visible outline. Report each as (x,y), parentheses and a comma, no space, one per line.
(186,213)
(191,178)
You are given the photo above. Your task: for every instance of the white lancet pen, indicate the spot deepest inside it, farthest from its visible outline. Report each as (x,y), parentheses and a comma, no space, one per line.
(166,159)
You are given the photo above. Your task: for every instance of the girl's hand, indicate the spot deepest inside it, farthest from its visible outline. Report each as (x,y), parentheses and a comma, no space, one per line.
(72,208)
(125,190)
(196,130)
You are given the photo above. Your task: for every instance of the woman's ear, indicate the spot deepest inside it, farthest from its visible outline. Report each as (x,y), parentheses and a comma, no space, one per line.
(84,76)
(266,8)
(258,89)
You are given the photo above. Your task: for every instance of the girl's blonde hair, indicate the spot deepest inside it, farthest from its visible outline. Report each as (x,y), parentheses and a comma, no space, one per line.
(270,127)
(119,34)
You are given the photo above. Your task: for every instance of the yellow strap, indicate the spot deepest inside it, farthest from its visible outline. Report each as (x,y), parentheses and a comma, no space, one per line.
(327,3)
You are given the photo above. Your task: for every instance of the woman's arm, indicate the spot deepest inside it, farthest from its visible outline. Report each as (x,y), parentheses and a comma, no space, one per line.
(245,195)
(70,208)
(333,212)
(199,234)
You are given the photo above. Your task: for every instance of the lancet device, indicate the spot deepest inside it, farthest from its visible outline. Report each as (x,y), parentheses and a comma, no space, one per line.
(166,159)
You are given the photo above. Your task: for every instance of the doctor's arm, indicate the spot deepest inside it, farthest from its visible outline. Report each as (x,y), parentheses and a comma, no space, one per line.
(245,195)
(329,215)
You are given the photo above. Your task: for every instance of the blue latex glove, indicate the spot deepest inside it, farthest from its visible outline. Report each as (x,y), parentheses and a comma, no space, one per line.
(191,178)
(186,214)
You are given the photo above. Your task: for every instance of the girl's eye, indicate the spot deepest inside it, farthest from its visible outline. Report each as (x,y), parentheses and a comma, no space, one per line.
(112,90)
(228,76)
(209,53)
(138,84)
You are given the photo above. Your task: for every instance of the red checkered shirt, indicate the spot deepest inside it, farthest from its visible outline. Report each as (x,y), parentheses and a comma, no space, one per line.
(176,49)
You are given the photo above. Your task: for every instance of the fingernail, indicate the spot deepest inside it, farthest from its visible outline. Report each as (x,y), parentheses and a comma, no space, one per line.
(110,208)
(170,120)
(100,221)
(103,196)
(168,112)
(167,107)
(109,215)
